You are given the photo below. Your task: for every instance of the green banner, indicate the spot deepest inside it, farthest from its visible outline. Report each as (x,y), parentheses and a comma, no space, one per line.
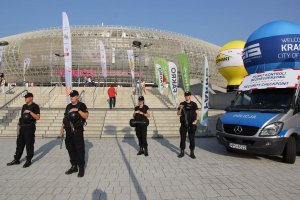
(165,68)
(184,70)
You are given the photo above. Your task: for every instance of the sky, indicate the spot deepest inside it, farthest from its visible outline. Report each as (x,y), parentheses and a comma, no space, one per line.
(215,21)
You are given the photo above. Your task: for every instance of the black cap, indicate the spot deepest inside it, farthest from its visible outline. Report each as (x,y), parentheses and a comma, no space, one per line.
(141,98)
(187,93)
(28,95)
(74,93)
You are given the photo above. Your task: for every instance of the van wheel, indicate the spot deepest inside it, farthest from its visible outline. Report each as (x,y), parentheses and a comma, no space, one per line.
(289,153)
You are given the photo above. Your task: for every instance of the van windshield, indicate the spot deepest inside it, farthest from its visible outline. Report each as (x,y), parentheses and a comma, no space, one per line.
(272,100)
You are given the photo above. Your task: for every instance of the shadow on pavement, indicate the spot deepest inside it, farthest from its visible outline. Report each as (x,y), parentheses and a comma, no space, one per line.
(45,149)
(211,145)
(166,143)
(88,146)
(99,194)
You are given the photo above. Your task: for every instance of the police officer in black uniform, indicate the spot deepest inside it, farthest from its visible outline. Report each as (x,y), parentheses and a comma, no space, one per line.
(188,112)
(30,113)
(75,116)
(141,113)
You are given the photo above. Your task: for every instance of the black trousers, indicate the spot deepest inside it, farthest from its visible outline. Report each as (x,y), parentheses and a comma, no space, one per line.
(112,102)
(26,138)
(75,146)
(191,132)
(141,133)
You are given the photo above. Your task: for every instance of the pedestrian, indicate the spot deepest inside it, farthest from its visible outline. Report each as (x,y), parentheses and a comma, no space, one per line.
(3,85)
(112,93)
(189,114)
(138,86)
(141,113)
(30,113)
(143,84)
(75,117)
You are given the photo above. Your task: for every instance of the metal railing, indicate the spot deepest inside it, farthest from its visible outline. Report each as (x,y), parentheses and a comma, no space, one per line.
(49,97)
(82,96)
(9,91)
(14,99)
(95,94)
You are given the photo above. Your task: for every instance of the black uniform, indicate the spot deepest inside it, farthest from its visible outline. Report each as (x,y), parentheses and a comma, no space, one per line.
(26,135)
(74,135)
(141,129)
(188,116)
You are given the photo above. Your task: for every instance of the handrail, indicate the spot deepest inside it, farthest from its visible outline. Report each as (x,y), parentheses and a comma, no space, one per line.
(95,94)
(8,91)
(13,99)
(82,96)
(49,96)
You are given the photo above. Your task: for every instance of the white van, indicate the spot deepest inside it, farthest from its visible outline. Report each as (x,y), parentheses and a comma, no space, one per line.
(265,116)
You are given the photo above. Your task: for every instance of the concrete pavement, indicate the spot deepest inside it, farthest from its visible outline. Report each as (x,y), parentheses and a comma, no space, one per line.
(115,172)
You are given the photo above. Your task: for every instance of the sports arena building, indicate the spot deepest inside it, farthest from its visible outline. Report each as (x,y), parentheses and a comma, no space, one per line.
(44,48)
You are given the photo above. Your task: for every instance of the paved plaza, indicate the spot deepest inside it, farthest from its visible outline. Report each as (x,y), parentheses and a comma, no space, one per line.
(114,171)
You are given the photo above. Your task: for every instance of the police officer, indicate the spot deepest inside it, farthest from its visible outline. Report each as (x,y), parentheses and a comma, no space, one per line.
(188,112)
(141,113)
(74,119)
(29,114)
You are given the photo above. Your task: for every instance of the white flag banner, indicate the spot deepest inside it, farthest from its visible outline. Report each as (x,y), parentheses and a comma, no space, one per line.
(26,63)
(1,52)
(67,55)
(103,59)
(113,55)
(131,62)
(173,73)
(205,95)
(160,78)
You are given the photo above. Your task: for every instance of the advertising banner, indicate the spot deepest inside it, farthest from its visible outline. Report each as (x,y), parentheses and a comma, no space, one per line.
(275,52)
(67,54)
(103,59)
(164,66)
(113,55)
(173,77)
(159,71)
(1,52)
(131,61)
(271,79)
(184,70)
(205,95)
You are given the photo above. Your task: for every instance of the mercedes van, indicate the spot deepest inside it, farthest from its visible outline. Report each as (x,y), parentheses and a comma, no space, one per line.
(264,118)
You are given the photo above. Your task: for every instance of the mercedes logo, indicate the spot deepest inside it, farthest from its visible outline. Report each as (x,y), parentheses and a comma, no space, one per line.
(238,129)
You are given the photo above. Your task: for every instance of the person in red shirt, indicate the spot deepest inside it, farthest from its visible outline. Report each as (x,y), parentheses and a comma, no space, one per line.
(112,96)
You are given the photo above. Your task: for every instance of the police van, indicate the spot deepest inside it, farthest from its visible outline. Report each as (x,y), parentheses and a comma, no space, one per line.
(264,118)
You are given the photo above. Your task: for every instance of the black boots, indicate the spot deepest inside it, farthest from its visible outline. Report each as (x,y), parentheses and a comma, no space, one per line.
(27,164)
(192,154)
(81,172)
(72,170)
(181,153)
(146,151)
(141,151)
(14,162)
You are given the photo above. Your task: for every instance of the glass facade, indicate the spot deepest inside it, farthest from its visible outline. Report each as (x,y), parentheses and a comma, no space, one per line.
(45,50)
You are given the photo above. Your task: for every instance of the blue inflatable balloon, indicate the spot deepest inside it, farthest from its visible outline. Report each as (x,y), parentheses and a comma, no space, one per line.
(275,45)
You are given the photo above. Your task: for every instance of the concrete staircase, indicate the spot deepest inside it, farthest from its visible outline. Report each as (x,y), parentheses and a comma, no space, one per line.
(102,122)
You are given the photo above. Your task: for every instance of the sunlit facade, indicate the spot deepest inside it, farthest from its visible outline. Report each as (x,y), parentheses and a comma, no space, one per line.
(45,67)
